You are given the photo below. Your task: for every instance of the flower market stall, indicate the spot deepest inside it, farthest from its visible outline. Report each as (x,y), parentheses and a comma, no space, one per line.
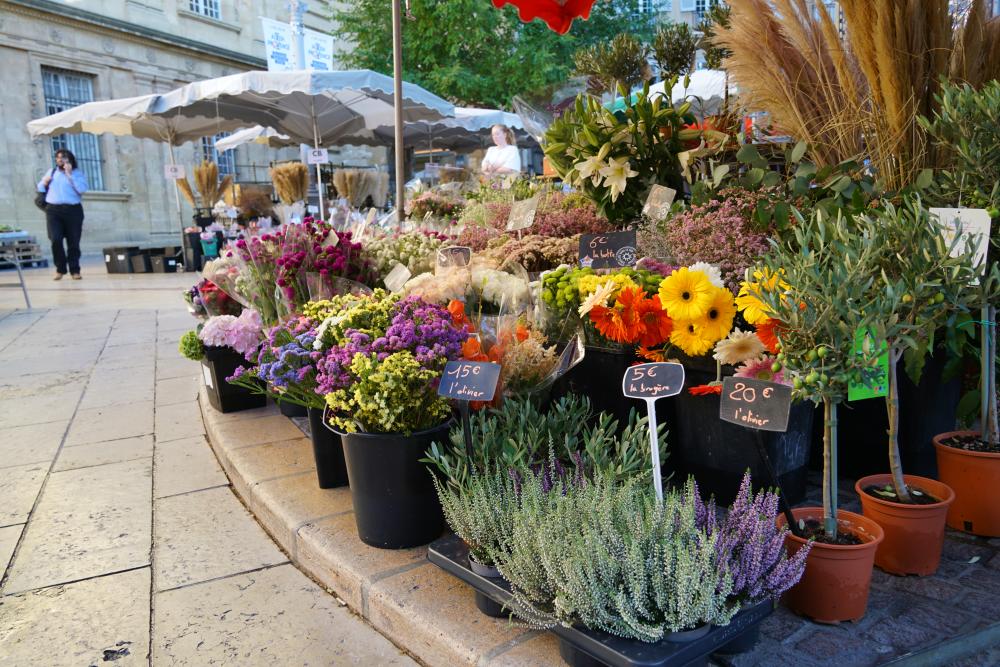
(472,373)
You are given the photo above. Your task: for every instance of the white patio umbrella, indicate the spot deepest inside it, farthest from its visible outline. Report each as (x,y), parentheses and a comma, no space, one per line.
(310,107)
(134,117)
(706,91)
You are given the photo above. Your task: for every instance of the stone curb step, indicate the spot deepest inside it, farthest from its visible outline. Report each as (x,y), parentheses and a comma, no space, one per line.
(420,608)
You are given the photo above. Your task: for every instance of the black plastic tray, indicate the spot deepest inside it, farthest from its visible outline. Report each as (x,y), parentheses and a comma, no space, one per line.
(450,554)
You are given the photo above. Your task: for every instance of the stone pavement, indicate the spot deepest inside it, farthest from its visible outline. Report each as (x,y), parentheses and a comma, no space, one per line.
(120,538)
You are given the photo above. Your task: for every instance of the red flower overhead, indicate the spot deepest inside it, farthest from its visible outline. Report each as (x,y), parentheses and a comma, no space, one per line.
(558,14)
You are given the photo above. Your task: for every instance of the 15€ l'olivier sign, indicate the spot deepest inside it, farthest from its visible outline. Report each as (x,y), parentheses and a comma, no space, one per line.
(469,380)
(613,250)
(652,381)
(757,404)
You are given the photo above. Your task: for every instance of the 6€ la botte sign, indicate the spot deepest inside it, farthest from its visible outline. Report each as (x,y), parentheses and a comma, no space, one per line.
(650,382)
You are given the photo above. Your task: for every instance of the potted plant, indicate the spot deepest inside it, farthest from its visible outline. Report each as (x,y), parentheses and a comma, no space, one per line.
(817,289)
(285,365)
(926,288)
(966,130)
(383,356)
(221,344)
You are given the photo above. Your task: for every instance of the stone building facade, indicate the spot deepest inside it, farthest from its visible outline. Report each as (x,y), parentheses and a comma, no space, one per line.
(56,53)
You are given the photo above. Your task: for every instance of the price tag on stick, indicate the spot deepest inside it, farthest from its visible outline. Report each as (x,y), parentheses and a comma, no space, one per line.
(650,382)
(761,406)
(657,206)
(173,172)
(522,214)
(467,381)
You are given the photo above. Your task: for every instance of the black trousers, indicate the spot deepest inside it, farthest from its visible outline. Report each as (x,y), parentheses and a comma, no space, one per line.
(65,223)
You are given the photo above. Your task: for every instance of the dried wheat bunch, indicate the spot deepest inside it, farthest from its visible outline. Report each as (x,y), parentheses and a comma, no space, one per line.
(291,182)
(185,187)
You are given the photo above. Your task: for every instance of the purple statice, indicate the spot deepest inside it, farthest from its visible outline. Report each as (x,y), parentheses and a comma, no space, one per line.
(752,548)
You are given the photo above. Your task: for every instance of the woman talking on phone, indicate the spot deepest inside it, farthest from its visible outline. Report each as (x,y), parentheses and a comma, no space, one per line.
(63,187)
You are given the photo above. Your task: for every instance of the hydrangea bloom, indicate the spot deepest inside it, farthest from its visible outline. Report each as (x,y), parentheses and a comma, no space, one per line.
(242,333)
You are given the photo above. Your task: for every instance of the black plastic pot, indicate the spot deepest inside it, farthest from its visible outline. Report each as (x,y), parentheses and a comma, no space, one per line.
(331,470)
(290,409)
(748,638)
(395,504)
(218,364)
(925,409)
(485,603)
(717,453)
(599,377)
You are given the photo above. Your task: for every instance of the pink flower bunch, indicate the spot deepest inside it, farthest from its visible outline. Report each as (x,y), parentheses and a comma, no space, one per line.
(244,333)
(438,205)
(719,232)
(562,216)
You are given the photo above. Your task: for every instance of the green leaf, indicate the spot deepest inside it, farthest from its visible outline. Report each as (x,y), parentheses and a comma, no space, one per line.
(799,151)
(719,173)
(748,154)
(924,179)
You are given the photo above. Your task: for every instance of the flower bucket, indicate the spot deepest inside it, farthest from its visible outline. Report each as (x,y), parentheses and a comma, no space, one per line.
(395,503)
(331,470)
(218,364)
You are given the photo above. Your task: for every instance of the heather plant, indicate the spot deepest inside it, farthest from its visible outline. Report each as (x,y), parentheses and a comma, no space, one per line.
(519,435)
(608,556)
(721,231)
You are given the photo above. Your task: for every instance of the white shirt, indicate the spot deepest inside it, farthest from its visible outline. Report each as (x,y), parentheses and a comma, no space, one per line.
(508,157)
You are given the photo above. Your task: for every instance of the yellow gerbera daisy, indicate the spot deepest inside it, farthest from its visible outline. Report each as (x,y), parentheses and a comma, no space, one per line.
(686,294)
(749,301)
(717,321)
(690,337)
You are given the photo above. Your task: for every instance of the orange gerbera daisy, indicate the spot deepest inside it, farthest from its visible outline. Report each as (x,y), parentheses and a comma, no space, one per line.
(767,332)
(458,317)
(705,389)
(654,322)
(651,355)
(609,322)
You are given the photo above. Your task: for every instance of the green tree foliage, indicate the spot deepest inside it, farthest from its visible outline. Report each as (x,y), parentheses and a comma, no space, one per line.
(718,15)
(472,53)
(622,61)
(674,49)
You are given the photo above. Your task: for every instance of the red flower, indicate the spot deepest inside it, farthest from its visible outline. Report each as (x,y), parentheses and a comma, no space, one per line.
(768,335)
(654,322)
(705,389)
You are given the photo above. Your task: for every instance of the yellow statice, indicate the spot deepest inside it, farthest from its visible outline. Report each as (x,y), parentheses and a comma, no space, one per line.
(749,301)
(588,284)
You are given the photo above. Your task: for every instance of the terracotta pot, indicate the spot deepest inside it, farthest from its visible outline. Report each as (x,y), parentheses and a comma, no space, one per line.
(975,476)
(835,585)
(914,534)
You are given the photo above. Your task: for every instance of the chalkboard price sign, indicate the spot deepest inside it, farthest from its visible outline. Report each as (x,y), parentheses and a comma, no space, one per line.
(613,250)
(652,381)
(456,255)
(469,380)
(755,404)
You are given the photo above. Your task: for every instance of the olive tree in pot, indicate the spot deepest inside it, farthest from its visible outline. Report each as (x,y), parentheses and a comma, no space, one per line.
(966,131)
(927,286)
(818,287)
(382,363)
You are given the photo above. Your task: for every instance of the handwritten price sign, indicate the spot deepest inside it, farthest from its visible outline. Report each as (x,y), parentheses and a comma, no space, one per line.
(469,380)
(653,380)
(613,250)
(756,404)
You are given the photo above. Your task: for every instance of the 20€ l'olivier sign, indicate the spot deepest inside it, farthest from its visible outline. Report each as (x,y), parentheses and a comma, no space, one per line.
(757,404)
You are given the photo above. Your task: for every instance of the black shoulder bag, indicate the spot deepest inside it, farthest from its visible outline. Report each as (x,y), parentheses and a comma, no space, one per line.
(40,196)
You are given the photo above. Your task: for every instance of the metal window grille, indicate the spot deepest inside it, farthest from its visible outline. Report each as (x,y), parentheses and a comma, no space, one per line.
(209,8)
(226,160)
(64,90)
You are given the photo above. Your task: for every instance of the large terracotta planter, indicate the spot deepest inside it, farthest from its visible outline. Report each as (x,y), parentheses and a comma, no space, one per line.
(914,534)
(835,585)
(975,477)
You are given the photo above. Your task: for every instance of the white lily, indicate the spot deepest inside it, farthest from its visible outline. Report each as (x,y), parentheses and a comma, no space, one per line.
(591,168)
(616,173)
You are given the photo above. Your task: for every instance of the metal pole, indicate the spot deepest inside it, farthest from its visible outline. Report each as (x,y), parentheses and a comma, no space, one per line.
(397,99)
(319,173)
(296,8)
(177,194)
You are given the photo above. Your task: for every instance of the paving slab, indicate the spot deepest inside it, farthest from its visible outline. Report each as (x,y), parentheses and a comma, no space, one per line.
(88,522)
(126,355)
(180,420)
(36,443)
(186,465)
(111,423)
(531,649)
(8,540)
(106,394)
(94,622)
(29,410)
(258,463)
(175,368)
(177,390)
(331,551)
(207,535)
(284,505)
(272,617)
(102,453)
(418,607)
(19,487)
(243,433)
(42,384)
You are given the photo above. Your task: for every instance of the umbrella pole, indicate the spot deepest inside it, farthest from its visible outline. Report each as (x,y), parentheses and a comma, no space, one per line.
(319,173)
(397,99)
(177,194)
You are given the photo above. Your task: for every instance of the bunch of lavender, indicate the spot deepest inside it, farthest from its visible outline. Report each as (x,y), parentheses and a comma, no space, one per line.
(606,555)
(721,232)
(519,435)
(382,359)
(286,364)
(750,545)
